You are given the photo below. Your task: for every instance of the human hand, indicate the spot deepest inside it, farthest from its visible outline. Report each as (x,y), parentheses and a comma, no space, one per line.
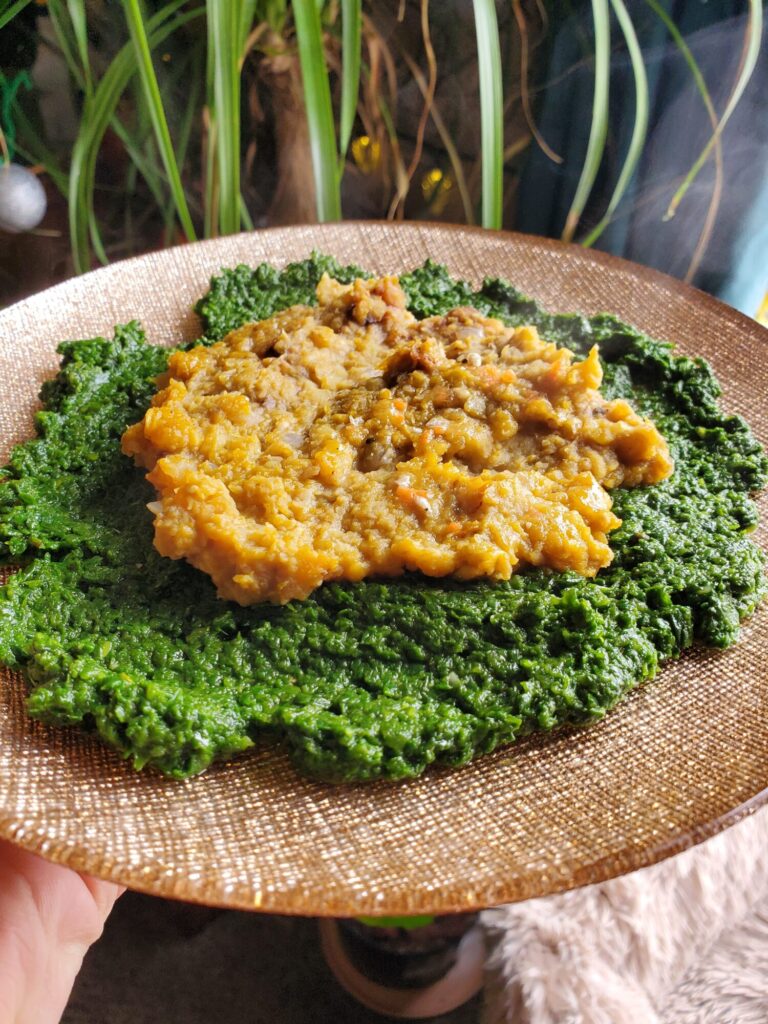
(49,916)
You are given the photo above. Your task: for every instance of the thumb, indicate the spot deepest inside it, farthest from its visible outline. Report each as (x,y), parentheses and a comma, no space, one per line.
(49,916)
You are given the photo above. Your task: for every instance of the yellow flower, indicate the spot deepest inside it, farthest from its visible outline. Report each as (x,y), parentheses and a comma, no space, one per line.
(366,152)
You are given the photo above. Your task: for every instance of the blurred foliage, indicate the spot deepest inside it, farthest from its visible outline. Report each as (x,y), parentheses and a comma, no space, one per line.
(163,121)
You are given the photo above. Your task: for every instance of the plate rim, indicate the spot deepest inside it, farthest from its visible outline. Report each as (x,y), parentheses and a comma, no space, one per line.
(15,830)
(554,244)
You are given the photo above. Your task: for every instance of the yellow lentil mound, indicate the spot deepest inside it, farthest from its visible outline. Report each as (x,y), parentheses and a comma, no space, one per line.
(349,439)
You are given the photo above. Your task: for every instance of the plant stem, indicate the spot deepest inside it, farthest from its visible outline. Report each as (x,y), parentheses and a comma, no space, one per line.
(640,127)
(80,28)
(224,28)
(752,52)
(101,113)
(317,101)
(157,112)
(12,10)
(351,47)
(491,112)
(599,127)
(717,189)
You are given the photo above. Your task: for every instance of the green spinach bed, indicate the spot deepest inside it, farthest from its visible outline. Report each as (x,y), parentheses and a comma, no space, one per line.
(375,679)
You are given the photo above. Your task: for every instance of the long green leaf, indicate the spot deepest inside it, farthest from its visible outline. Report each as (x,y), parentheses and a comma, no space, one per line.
(211,190)
(66,40)
(351,51)
(687,55)
(143,158)
(225,46)
(105,99)
(245,217)
(599,126)
(190,110)
(640,127)
(491,112)
(145,165)
(709,221)
(317,103)
(148,78)
(11,10)
(755,30)
(66,37)
(72,37)
(80,28)
(73,43)
(141,162)
(247,16)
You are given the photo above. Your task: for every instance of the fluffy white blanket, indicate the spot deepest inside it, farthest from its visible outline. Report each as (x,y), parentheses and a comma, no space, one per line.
(683,942)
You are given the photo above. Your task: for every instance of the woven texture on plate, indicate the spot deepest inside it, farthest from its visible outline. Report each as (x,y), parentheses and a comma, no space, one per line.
(675,762)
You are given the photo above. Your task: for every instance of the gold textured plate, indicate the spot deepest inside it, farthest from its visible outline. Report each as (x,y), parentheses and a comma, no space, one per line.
(679,759)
